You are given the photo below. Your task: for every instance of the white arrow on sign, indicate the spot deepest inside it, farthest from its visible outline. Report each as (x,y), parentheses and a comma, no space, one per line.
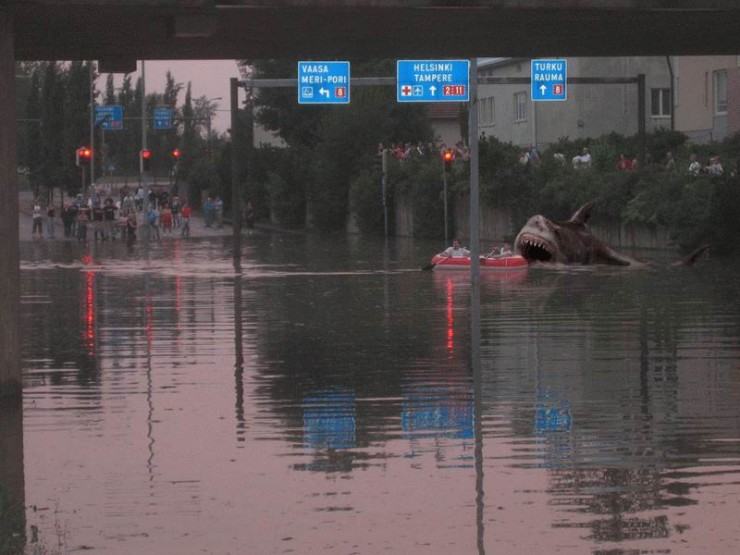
(433,90)
(324,92)
(543,89)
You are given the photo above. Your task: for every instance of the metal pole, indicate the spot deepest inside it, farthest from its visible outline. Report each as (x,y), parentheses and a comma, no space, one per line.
(92,128)
(236,220)
(143,117)
(444,186)
(474,192)
(383,182)
(641,116)
(208,139)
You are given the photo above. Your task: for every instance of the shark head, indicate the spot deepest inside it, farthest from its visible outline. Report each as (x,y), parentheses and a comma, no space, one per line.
(570,242)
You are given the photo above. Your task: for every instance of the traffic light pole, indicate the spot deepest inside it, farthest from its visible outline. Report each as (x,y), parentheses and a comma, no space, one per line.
(383,183)
(444,186)
(92,129)
(236,147)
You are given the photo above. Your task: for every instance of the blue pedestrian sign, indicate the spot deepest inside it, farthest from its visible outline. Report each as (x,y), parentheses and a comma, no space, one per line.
(162,117)
(109,117)
(549,80)
(432,80)
(323,82)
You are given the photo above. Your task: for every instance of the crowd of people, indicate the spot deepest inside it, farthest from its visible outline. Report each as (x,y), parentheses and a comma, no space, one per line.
(408,151)
(101,217)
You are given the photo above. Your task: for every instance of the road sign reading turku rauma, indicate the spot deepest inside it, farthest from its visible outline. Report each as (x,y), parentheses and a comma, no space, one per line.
(323,82)
(432,80)
(549,80)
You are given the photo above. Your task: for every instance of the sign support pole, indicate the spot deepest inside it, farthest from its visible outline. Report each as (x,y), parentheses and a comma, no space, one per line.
(474,165)
(236,147)
(383,182)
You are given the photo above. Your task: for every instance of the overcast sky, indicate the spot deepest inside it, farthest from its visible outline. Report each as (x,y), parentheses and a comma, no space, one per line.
(208,77)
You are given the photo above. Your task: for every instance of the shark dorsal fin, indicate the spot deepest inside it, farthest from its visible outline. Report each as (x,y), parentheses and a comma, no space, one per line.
(583,214)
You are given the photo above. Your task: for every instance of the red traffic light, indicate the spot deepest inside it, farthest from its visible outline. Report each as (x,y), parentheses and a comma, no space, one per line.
(176,153)
(83,155)
(448,156)
(145,154)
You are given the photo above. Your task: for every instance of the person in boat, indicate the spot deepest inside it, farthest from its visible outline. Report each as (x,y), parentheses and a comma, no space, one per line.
(500,252)
(456,250)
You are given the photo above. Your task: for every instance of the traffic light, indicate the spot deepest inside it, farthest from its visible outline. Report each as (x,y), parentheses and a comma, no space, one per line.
(83,156)
(145,155)
(176,154)
(448,156)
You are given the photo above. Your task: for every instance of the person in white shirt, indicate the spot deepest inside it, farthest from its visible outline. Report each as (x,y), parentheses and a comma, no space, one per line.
(456,250)
(694,165)
(714,167)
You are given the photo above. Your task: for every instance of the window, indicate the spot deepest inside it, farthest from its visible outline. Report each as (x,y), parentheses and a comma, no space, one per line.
(720,92)
(660,104)
(487,111)
(520,106)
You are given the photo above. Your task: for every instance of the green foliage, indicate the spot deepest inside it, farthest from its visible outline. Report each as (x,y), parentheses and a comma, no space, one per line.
(367,203)
(203,177)
(333,145)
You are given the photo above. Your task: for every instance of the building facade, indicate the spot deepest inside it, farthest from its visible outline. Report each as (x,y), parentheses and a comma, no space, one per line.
(707,99)
(507,112)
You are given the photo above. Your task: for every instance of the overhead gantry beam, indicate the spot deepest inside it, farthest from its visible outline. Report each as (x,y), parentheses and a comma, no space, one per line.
(198,29)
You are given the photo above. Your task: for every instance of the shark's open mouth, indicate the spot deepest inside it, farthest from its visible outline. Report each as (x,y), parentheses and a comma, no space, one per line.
(535,248)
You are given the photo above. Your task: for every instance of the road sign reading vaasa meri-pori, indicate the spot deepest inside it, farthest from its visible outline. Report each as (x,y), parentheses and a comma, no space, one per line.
(109,117)
(323,82)
(432,80)
(549,80)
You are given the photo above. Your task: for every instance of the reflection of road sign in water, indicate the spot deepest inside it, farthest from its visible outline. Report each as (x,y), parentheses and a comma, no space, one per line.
(329,420)
(323,82)
(549,79)
(109,117)
(432,80)
(162,117)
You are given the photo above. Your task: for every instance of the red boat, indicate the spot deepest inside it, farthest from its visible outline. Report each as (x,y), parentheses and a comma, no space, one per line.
(511,262)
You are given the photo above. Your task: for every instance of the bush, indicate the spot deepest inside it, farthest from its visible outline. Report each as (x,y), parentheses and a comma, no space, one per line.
(367,203)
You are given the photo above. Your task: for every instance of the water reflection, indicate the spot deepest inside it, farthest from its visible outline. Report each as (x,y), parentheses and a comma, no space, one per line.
(312,402)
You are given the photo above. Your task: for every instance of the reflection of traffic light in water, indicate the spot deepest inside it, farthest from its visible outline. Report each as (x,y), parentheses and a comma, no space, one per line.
(450,315)
(89,313)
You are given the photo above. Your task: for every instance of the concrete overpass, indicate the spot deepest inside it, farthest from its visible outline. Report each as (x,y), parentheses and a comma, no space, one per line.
(117,32)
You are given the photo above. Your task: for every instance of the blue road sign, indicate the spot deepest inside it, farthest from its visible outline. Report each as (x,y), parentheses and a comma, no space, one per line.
(162,117)
(323,82)
(109,117)
(432,80)
(549,80)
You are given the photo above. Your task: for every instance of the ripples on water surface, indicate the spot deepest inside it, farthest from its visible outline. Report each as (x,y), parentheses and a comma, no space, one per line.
(324,402)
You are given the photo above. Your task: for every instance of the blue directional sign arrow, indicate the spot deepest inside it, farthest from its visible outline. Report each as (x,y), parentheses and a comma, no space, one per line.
(432,80)
(549,80)
(109,117)
(162,116)
(323,82)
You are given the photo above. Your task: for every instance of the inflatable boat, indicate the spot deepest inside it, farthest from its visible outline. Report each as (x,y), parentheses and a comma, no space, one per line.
(511,262)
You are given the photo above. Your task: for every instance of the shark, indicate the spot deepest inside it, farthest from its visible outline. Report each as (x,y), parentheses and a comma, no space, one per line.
(572,242)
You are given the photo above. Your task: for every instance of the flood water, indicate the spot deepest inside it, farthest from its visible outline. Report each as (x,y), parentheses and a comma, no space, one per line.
(324,402)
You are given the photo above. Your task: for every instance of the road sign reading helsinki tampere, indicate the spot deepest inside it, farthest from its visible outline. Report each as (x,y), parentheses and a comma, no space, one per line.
(549,80)
(432,80)
(323,82)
